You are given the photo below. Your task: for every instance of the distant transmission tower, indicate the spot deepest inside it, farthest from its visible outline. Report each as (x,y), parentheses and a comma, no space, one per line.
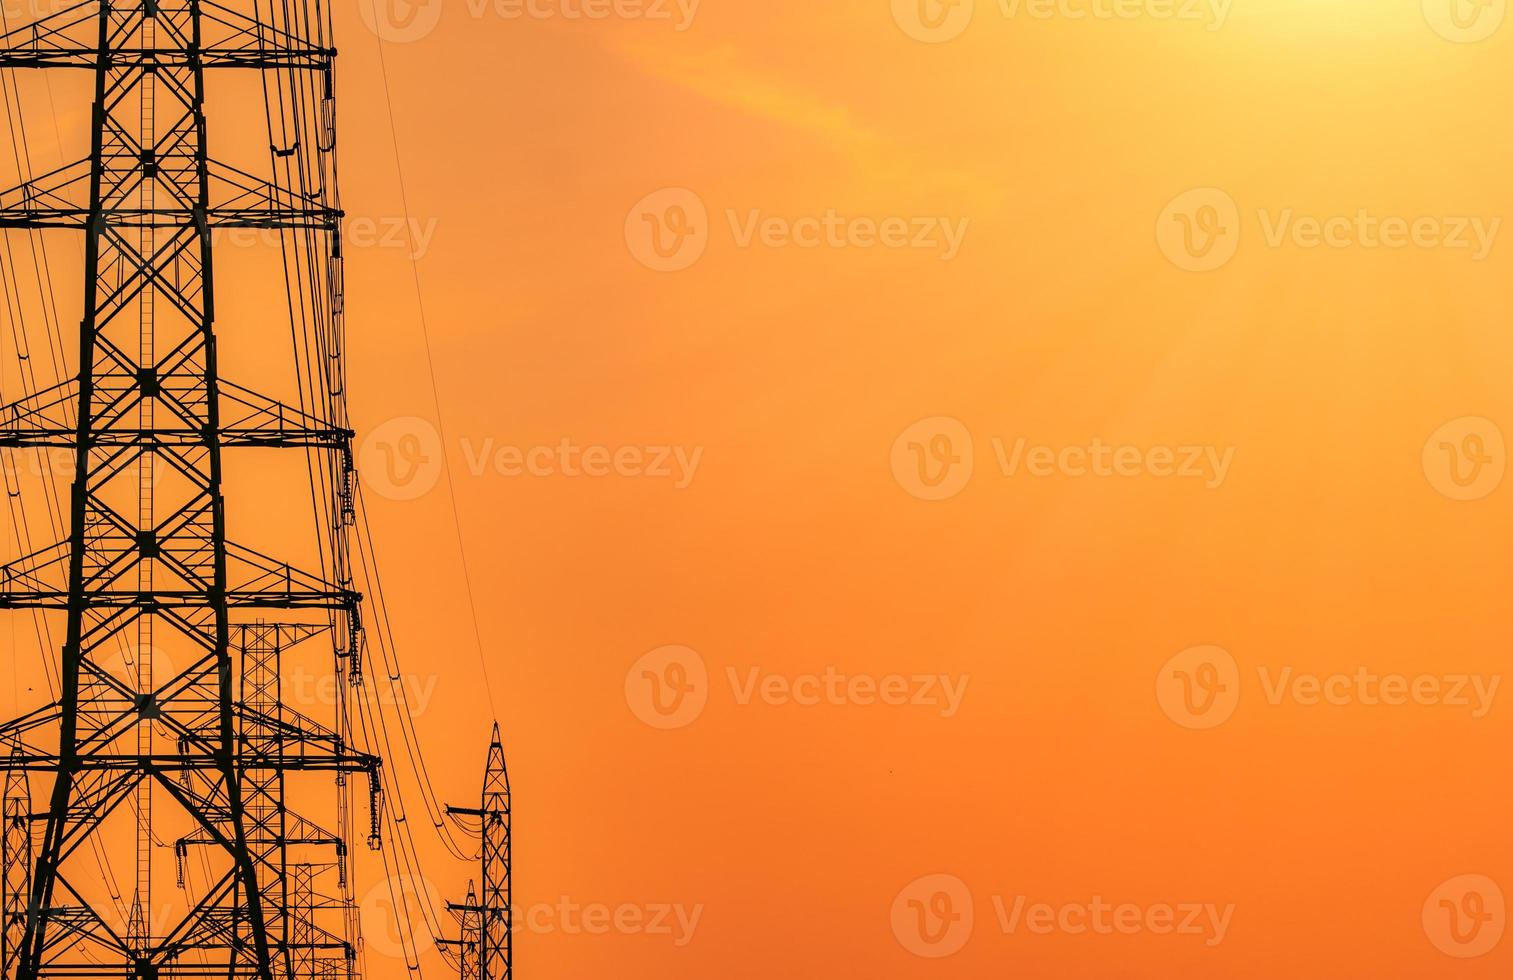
(169,740)
(486,949)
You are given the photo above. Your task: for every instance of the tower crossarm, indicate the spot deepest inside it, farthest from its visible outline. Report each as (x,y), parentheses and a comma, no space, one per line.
(249,420)
(235,199)
(228,38)
(261,583)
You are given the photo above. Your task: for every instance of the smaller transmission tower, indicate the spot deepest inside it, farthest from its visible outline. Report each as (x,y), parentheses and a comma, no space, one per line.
(16,857)
(486,950)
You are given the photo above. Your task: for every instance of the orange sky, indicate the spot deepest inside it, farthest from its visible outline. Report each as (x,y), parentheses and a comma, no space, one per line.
(671,250)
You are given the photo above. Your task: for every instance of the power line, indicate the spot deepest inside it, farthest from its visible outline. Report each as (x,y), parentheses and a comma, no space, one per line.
(425,331)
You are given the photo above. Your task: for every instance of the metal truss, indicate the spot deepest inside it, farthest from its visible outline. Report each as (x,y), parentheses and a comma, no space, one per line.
(486,946)
(147,561)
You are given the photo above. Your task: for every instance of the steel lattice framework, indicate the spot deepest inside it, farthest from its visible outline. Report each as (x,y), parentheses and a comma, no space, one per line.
(486,947)
(147,562)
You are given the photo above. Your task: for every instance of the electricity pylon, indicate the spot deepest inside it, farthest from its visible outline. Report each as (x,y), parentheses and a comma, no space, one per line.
(486,949)
(188,744)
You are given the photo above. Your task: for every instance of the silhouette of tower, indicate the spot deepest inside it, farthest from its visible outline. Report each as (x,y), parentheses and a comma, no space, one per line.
(168,716)
(487,943)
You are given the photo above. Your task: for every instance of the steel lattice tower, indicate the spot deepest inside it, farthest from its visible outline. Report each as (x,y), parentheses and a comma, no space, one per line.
(486,947)
(202,737)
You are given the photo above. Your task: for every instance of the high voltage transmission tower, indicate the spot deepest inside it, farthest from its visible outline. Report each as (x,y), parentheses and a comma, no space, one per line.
(486,947)
(167,624)
(186,733)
